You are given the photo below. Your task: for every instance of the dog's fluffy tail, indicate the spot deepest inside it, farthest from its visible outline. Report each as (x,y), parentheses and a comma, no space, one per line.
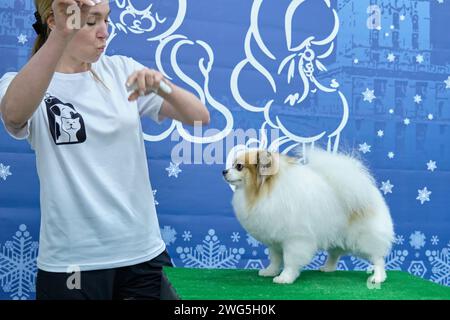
(347,174)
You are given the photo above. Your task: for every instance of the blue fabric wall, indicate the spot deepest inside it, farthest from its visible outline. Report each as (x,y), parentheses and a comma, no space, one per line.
(390,74)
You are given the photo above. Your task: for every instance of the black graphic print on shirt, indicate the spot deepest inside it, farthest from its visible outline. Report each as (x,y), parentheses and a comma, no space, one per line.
(65,123)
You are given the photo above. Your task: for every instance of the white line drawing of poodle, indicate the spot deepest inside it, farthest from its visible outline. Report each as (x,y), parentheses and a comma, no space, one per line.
(302,60)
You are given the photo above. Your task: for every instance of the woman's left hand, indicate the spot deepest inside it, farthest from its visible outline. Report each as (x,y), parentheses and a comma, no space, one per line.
(147,81)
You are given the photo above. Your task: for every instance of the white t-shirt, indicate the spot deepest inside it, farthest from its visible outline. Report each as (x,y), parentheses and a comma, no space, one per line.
(97,206)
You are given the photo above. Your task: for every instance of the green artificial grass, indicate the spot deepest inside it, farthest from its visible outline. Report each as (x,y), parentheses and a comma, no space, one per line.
(237,284)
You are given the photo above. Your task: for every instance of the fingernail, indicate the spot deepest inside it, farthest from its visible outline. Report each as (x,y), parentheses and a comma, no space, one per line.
(91,3)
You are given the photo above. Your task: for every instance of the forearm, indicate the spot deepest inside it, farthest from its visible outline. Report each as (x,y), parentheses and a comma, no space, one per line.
(189,108)
(29,86)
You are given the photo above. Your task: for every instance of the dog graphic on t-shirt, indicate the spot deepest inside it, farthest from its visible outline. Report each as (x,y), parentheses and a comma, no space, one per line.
(66,124)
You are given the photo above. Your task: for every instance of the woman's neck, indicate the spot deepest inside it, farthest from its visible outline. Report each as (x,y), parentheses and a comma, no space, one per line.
(71,65)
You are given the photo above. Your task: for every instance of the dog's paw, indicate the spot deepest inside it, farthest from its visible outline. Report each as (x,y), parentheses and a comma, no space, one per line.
(327,269)
(268,272)
(377,278)
(284,279)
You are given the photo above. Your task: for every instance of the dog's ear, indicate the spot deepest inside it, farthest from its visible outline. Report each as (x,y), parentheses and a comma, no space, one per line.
(267,165)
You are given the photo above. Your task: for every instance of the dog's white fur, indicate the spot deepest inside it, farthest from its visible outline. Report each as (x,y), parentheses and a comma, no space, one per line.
(331,202)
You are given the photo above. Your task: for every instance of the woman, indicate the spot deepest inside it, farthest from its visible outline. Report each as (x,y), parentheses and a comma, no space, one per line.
(97,210)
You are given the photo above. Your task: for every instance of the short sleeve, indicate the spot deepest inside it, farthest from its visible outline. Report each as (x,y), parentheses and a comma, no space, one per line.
(23,133)
(151,104)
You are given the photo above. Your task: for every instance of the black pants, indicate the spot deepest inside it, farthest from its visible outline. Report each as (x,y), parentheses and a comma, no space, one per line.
(144,281)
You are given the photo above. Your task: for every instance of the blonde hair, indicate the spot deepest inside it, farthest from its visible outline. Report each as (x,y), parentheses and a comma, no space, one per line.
(44,8)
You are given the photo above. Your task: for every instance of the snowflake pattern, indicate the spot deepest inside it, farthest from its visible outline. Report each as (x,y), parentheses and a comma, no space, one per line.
(434,240)
(173,170)
(391,57)
(210,254)
(4,171)
(417,99)
(417,240)
(369,95)
(18,265)
(440,260)
(169,235)
(424,195)
(431,165)
(386,187)
(417,268)
(447,83)
(254,264)
(187,236)
(252,241)
(364,148)
(399,239)
(235,237)
(22,38)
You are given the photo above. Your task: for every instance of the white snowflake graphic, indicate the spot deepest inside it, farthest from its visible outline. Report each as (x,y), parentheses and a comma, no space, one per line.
(252,241)
(434,240)
(399,239)
(210,254)
(420,58)
(417,99)
(391,155)
(4,171)
(417,268)
(417,240)
(391,111)
(187,236)
(18,265)
(22,38)
(447,83)
(235,237)
(369,95)
(391,57)
(424,195)
(361,264)
(395,259)
(430,116)
(254,264)
(169,235)
(402,17)
(406,121)
(364,148)
(380,133)
(431,165)
(318,261)
(440,260)
(356,61)
(386,187)
(173,169)
(154,195)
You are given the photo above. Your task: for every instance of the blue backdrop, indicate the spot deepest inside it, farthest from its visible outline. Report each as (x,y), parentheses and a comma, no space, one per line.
(373,76)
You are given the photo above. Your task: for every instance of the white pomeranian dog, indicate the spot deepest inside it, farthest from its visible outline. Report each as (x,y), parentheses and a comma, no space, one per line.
(324,202)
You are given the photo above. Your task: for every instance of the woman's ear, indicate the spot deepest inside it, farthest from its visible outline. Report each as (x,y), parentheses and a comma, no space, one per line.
(51,21)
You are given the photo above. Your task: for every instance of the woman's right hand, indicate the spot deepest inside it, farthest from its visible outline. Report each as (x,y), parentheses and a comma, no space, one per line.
(71,15)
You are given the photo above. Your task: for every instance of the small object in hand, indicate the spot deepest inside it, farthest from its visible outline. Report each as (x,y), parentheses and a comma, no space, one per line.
(164,87)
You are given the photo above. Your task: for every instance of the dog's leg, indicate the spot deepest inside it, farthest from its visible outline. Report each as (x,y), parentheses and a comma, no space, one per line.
(274,267)
(379,274)
(296,255)
(332,261)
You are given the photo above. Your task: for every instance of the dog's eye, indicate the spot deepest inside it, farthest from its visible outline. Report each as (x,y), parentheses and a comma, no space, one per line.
(239,167)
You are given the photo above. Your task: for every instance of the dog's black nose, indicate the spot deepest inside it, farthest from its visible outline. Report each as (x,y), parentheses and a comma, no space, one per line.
(224,172)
